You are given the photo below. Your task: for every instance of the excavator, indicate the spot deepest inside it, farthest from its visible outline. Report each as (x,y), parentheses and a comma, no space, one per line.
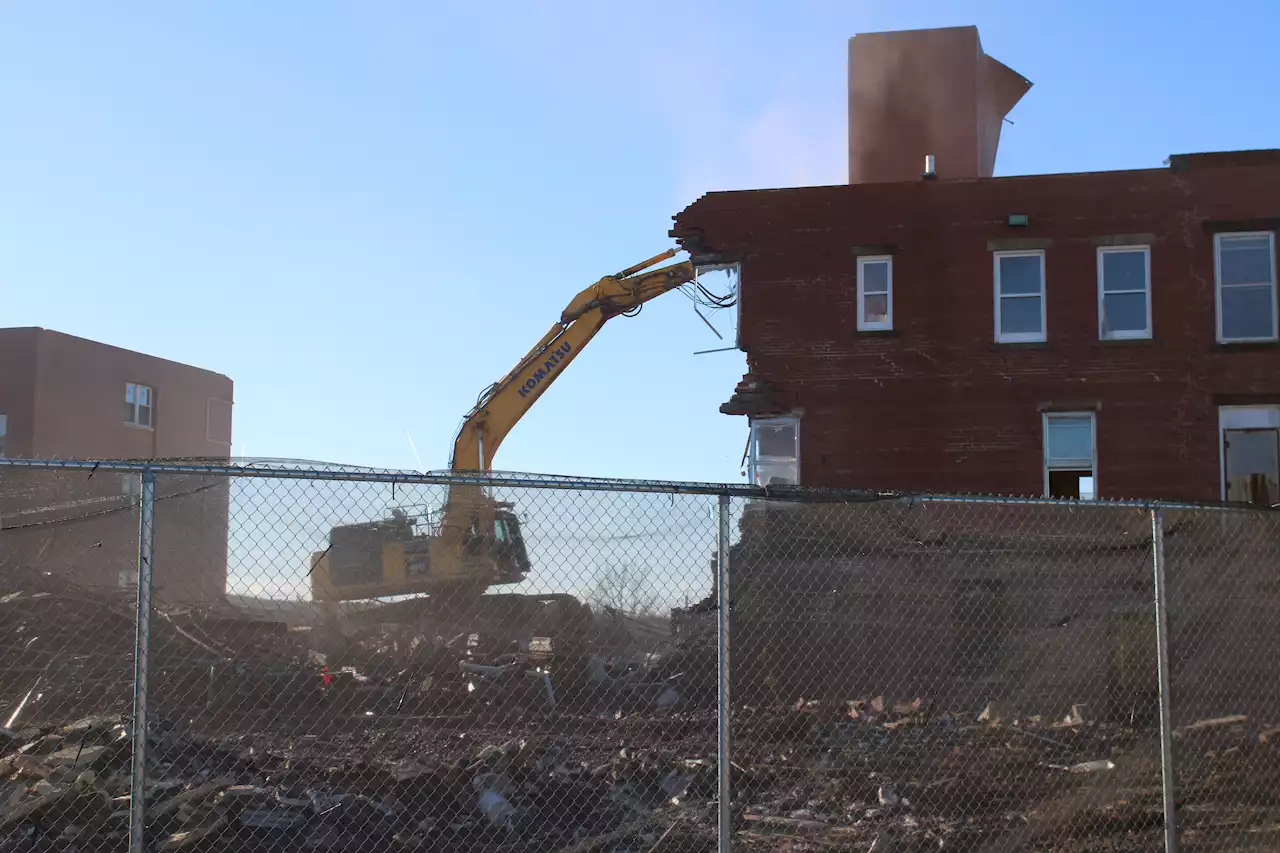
(475,542)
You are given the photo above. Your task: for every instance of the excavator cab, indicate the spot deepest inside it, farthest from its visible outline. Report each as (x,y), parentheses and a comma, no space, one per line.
(503,544)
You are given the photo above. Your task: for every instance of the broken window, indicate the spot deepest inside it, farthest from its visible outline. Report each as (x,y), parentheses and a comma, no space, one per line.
(137,405)
(775,452)
(1069,456)
(1245,267)
(1020,315)
(723,283)
(1250,446)
(1124,292)
(1253,465)
(875,293)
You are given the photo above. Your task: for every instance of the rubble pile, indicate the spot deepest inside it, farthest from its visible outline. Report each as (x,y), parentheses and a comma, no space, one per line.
(68,649)
(816,775)
(414,740)
(69,787)
(878,775)
(69,652)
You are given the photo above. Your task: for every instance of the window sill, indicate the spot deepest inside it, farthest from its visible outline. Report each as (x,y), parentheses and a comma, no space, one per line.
(877,333)
(1000,346)
(1124,342)
(140,426)
(1246,346)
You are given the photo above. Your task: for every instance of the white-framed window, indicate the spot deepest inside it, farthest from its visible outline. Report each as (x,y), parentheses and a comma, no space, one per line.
(4,433)
(1124,292)
(1249,444)
(138,406)
(875,293)
(1245,269)
(1070,457)
(775,452)
(1020,310)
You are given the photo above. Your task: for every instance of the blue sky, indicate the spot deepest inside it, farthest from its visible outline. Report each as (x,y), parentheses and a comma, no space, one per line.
(364,212)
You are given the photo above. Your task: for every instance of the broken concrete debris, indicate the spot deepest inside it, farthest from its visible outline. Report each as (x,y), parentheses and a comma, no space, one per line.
(809,772)
(526,792)
(397,741)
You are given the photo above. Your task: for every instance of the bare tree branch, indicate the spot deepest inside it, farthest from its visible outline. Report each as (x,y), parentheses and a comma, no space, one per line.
(624,587)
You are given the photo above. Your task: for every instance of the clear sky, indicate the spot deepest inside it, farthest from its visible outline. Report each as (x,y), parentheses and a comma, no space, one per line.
(364,212)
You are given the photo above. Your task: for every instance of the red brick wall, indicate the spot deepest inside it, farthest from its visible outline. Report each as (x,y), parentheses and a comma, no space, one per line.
(937,406)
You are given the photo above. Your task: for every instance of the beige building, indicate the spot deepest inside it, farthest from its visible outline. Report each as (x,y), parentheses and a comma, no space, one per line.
(63,397)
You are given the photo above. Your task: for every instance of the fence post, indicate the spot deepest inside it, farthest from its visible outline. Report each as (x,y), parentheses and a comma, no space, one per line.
(142,661)
(1162,669)
(724,823)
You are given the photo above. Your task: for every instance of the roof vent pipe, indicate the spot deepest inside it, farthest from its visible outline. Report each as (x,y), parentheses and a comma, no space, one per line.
(929,172)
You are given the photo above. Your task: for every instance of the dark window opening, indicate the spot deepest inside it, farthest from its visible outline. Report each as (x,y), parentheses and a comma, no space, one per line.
(1071,485)
(1253,465)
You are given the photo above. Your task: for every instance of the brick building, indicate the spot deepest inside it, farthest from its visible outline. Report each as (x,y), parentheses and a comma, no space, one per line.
(1108,334)
(66,397)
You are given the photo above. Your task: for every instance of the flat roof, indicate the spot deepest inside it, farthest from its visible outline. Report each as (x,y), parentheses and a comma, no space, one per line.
(40,330)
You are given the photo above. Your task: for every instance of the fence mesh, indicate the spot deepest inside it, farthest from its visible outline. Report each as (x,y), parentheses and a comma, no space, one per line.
(551,712)
(946,675)
(904,675)
(68,547)
(1224,655)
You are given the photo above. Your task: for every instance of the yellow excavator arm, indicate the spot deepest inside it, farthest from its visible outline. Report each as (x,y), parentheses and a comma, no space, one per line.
(502,405)
(478,541)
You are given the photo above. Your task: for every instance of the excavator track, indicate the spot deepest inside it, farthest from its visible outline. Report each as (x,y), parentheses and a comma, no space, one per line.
(497,622)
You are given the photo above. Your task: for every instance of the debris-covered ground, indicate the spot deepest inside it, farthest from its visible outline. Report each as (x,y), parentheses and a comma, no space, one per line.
(260,741)
(643,781)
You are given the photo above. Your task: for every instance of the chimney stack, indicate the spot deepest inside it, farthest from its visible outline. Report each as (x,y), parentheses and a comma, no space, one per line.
(917,94)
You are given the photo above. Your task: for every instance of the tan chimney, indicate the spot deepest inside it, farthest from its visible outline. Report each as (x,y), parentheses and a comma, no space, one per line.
(926,93)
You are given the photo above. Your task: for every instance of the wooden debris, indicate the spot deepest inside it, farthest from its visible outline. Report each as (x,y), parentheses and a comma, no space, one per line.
(1214,723)
(200,792)
(32,807)
(25,765)
(191,837)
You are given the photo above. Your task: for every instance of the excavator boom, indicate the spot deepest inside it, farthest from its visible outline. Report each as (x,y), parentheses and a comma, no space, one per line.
(502,406)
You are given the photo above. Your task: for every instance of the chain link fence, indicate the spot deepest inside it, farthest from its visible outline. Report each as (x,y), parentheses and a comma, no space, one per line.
(214,657)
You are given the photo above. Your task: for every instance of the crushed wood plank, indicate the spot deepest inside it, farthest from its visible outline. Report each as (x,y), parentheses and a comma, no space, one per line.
(31,807)
(787,822)
(839,844)
(208,789)
(664,837)
(1215,722)
(25,765)
(76,756)
(191,837)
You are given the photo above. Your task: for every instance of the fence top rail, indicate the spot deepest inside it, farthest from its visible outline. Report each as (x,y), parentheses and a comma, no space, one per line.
(283,469)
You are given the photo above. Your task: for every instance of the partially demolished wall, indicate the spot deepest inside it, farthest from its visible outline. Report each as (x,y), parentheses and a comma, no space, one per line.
(1038,606)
